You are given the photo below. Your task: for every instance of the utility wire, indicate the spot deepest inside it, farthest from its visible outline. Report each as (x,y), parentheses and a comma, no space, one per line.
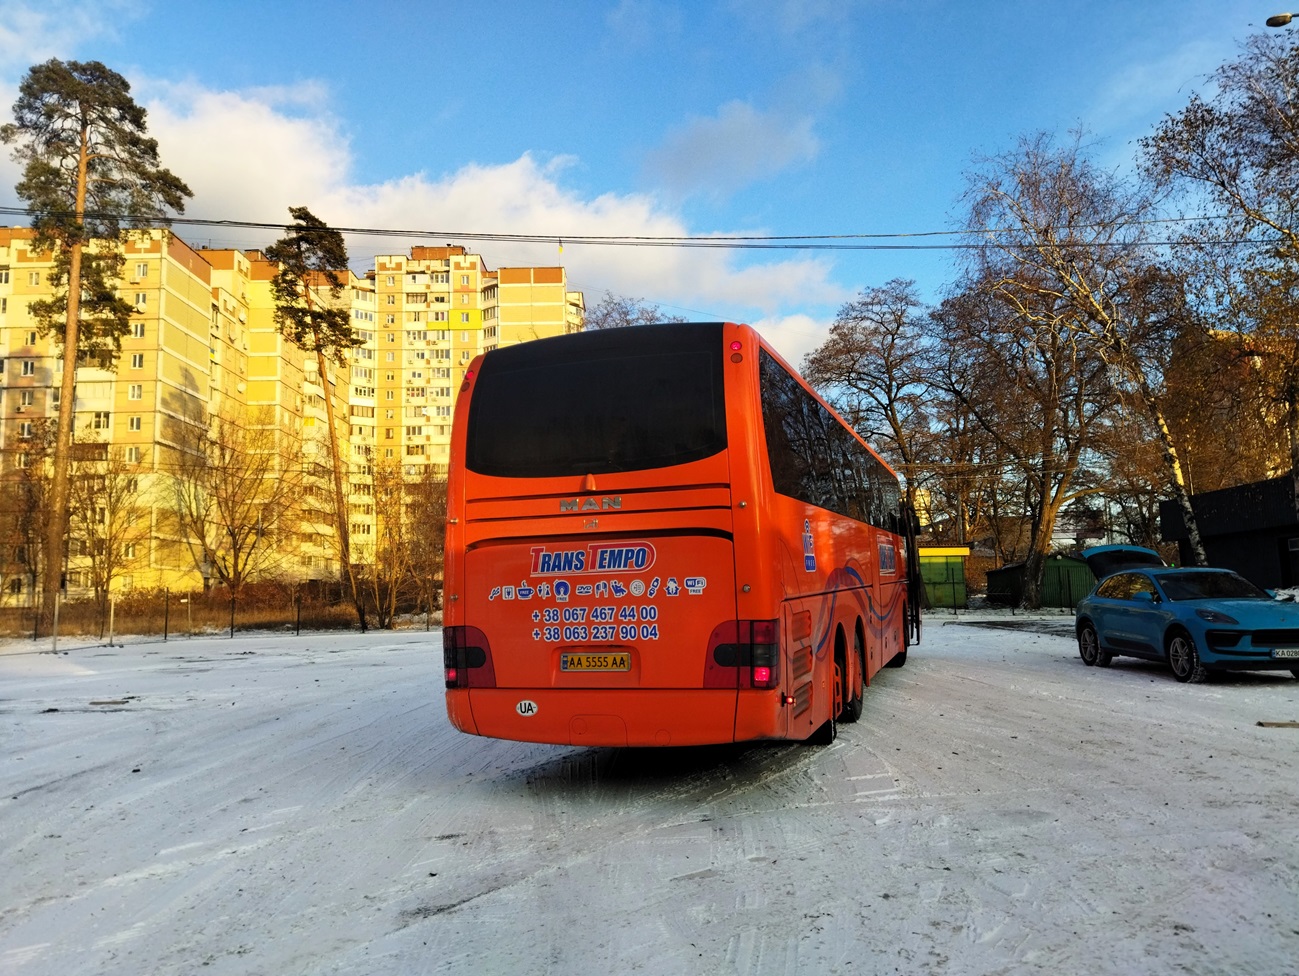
(798,242)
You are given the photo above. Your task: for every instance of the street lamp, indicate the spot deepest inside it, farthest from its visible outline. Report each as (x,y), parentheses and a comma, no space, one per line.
(1279,20)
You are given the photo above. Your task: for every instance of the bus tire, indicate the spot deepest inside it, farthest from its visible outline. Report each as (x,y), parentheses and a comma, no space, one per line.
(852,710)
(824,735)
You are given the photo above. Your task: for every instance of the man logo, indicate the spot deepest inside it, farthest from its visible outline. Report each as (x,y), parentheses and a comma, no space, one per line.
(590,504)
(526,708)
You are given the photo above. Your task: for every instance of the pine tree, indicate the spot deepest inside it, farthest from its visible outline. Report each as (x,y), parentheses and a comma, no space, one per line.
(311,258)
(89,172)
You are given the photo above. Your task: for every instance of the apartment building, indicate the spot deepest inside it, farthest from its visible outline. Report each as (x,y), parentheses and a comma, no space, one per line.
(204,344)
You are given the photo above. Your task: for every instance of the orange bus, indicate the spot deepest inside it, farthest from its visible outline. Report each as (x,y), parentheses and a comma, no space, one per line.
(660,535)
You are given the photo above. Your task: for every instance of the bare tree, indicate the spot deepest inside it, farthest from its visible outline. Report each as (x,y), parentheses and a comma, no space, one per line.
(1236,156)
(1038,394)
(427,512)
(236,492)
(388,577)
(28,486)
(109,517)
(1066,253)
(618,312)
(871,368)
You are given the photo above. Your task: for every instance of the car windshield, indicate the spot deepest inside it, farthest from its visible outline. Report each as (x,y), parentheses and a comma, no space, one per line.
(1209,586)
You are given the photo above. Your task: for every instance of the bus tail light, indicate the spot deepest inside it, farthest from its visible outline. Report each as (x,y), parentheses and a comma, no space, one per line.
(467,658)
(743,654)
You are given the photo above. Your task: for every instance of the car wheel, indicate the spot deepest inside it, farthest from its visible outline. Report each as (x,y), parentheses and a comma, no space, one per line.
(1184,659)
(1089,647)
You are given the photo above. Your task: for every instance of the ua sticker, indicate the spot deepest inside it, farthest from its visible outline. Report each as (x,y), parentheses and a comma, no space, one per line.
(526,708)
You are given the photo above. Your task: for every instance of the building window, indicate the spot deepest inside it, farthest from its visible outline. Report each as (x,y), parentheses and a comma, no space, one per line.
(22,459)
(128,550)
(392,357)
(135,391)
(390,319)
(137,329)
(414,449)
(414,431)
(133,455)
(31,338)
(141,300)
(464,316)
(392,299)
(142,270)
(464,279)
(387,395)
(439,316)
(4,276)
(34,278)
(390,280)
(25,429)
(101,420)
(29,367)
(137,360)
(133,423)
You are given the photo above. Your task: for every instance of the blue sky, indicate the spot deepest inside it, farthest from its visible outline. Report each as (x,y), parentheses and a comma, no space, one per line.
(631,117)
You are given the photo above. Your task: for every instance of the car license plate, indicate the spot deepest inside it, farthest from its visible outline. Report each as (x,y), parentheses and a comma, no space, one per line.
(1285,652)
(595,662)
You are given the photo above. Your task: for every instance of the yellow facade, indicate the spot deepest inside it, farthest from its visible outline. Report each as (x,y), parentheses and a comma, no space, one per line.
(204,344)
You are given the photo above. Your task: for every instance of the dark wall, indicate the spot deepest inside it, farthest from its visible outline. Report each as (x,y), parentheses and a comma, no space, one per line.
(1248,528)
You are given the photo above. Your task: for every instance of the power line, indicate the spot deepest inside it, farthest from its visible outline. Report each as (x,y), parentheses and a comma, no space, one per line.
(796,242)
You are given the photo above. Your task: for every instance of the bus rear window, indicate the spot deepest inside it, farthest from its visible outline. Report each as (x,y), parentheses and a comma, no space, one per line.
(599,402)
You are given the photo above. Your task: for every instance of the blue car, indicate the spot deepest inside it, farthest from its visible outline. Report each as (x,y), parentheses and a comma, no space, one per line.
(1197,620)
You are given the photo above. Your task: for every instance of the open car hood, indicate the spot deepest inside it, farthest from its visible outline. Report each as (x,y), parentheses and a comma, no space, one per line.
(1107,560)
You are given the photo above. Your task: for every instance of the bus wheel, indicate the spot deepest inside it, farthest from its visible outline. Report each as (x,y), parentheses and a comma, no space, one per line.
(824,735)
(852,711)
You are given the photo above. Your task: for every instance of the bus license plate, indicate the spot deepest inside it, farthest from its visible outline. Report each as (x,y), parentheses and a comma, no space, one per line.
(1285,652)
(595,662)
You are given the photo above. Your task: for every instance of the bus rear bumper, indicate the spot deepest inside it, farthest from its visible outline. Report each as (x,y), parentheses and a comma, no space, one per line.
(623,717)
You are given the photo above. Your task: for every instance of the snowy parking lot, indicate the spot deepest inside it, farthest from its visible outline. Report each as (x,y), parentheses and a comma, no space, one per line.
(284,805)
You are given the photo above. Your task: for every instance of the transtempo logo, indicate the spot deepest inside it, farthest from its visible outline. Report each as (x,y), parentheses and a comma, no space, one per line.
(597,557)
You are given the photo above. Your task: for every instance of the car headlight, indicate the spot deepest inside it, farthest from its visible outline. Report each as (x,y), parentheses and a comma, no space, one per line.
(1215,617)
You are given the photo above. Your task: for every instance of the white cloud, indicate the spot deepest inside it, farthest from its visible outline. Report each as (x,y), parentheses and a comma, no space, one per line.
(731,150)
(249,155)
(34,32)
(794,336)
(243,154)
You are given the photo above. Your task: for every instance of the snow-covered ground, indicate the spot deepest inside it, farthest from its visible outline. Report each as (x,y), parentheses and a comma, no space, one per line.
(284,805)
